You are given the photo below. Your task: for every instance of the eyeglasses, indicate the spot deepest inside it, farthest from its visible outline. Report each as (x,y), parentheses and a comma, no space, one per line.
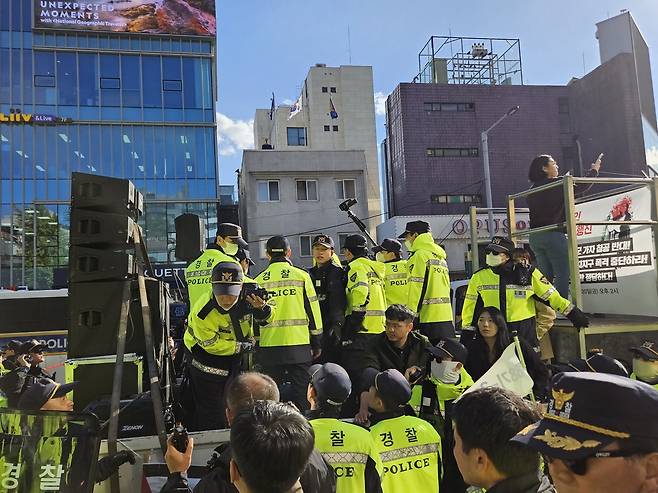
(579,466)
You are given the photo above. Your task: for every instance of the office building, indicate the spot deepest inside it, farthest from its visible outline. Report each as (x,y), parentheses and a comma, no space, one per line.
(433,145)
(125,91)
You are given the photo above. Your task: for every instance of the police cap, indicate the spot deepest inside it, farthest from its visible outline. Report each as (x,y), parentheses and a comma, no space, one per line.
(277,244)
(227,278)
(355,243)
(232,231)
(32,346)
(41,391)
(450,348)
(500,244)
(389,245)
(331,382)
(243,254)
(648,350)
(588,411)
(323,240)
(13,345)
(419,227)
(392,385)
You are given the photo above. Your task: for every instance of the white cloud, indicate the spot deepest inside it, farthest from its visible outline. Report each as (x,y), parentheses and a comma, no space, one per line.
(380,103)
(234,135)
(287,101)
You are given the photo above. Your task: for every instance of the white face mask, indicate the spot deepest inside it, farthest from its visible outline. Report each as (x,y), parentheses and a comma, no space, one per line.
(446,371)
(408,244)
(380,257)
(494,259)
(230,248)
(647,371)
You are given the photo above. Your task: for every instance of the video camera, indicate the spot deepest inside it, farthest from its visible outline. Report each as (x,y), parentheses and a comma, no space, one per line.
(254,289)
(345,205)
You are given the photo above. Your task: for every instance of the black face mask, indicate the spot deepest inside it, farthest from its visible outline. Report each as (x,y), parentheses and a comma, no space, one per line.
(523,274)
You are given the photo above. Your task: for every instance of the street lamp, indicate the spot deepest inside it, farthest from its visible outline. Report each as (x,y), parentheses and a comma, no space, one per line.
(487,174)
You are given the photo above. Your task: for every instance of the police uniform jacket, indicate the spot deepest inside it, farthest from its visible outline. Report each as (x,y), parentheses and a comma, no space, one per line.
(211,334)
(382,355)
(297,323)
(395,283)
(199,273)
(329,283)
(366,301)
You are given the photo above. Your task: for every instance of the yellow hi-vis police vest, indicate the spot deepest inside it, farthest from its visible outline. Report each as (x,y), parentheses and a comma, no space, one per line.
(365,293)
(410,450)
(347,448)
(634,377)
(444,391)
(485,284)
(429,281)
(198,275)
(395,283)
(292,292)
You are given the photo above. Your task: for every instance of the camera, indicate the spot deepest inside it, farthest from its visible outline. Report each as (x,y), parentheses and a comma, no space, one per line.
(345,205)
(416,375)
(179,439)
(251,288)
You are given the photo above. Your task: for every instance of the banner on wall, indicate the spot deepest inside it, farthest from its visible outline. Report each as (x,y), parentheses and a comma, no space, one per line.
(183,17)
(617,263)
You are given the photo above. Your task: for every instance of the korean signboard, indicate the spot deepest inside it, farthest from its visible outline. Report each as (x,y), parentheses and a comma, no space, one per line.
(184,17)
(616,263)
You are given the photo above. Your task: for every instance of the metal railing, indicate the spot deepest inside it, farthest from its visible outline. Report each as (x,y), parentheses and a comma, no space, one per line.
(567,183)
(475,238)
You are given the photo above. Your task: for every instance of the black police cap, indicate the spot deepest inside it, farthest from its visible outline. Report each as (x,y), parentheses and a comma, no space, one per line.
(392,385)
(500,244)
(331,382)
(355,243)
(588,411)
(323,240)
(451,348)
(648,350)
(419,227)
(41,391)
(32,346)
(232,231)
(277,244)
(389,245)
(227,278)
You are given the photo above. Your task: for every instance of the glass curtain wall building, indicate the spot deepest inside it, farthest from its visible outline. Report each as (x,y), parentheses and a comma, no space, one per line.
(131,106)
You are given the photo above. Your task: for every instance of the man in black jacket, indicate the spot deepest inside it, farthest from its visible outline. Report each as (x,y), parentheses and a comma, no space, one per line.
(329,280)
(242,392)
(399,347)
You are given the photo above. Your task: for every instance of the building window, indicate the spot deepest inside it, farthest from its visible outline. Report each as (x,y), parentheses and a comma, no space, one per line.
(305,245)
(110,83)
(172,85)
(335,128)
(449,106)
(345,189)
(453,152)
(333,89)
(324,88)
(44,81)
(327,128)
(268,191)
(563,105)
(296,136)
(341,239)
(455,199)
(307,190)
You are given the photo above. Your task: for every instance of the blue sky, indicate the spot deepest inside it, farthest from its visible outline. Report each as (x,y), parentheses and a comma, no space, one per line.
(266,46)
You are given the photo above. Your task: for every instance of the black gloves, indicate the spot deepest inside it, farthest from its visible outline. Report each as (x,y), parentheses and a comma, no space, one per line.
(110,464)
(578,318)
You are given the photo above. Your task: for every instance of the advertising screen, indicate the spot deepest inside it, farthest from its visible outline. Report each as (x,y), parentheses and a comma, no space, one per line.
(183,17)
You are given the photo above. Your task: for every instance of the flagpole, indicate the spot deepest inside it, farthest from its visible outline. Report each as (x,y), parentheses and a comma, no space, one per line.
(519,353)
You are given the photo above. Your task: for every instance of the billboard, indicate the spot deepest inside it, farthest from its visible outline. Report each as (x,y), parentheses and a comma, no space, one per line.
(182,17)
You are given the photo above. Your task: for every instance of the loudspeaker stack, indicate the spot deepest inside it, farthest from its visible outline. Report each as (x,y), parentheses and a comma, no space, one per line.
(104,213)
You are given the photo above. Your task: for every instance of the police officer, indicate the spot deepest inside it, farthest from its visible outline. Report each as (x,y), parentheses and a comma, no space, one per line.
(33,353)
(197,275)
(220,330)
(521,285)
(11,352)
(395,280)
(244,258)
(409,447)
(347,448)
(329,281)
(645,363)
(429,282)
(366,309)
(432,400)
(293,339)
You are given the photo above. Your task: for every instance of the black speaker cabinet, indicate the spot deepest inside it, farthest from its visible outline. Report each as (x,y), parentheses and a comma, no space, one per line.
(91,264)
(101,230)
(190,236)
(94,313)
(105,194)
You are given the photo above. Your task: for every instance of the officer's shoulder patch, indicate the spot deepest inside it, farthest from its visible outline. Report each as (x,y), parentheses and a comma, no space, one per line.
(544,280)
(353,277)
